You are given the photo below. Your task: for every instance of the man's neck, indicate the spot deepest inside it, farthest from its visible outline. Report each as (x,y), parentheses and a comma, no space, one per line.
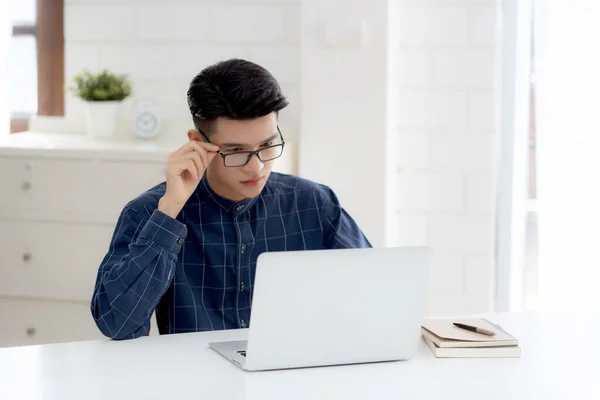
(219,190)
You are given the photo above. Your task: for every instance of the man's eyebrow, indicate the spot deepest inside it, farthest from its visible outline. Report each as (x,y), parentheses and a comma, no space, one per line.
(246,145)
(233,145)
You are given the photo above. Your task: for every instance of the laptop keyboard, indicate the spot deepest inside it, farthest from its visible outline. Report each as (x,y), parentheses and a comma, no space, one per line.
(242,352)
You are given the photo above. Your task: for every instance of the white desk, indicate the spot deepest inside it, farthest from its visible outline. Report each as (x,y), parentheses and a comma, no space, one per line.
(558,362)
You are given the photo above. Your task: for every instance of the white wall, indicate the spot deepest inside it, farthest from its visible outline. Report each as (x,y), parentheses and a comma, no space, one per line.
(5,33)
(423,84)
(410,113)
(447,143)
(345,107)
(162,45)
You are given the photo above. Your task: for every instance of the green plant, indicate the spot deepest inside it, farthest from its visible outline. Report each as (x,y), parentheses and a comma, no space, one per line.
(103,86)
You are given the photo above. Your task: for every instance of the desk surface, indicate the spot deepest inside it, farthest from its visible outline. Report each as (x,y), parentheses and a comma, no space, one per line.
(559,360)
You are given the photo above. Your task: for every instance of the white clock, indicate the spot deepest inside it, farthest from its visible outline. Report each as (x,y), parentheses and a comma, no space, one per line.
(146,118)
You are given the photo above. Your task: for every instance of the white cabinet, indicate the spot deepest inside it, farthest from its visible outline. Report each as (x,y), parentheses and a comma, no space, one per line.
(60,197)
(51,259)
(28,322)
(71,189)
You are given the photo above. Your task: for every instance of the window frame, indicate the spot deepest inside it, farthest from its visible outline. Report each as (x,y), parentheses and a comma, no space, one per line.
(48,31)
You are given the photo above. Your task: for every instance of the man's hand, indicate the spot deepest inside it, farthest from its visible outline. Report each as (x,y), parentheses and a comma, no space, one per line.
(185,168)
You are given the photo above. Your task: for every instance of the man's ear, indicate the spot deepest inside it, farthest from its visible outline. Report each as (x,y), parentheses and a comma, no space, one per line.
(195,135)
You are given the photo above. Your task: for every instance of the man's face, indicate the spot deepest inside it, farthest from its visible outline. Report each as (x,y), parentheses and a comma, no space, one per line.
(239,183)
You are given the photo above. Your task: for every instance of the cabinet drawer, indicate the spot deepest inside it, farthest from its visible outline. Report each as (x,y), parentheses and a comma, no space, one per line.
(26,322)
(121,182)
(51,260)
(30,322)
(78,189)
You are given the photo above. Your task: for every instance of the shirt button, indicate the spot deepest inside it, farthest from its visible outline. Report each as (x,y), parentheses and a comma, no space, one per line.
(239,208)
(242,286)
(244,324)
(243,248)
(179,241)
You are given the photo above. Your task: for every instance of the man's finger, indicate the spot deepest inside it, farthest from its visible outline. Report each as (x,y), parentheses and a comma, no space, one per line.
(186,148)
(186,165)
(198,161)
(204,146)
(203,157)
(190,166)
(202,152)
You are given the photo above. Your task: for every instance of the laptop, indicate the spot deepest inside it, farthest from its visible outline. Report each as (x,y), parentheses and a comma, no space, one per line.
(333,307)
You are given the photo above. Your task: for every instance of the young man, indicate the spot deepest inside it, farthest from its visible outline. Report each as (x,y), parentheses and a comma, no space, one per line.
(187,248)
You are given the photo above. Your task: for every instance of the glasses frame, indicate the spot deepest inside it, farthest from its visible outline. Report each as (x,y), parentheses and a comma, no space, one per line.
(249,153)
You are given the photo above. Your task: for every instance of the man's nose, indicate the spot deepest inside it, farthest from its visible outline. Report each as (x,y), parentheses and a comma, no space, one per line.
(254,165)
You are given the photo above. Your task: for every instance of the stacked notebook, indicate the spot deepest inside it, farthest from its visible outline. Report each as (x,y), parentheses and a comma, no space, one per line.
(448,341)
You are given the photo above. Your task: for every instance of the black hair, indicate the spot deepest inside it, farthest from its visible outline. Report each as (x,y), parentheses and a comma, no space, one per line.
(233,89)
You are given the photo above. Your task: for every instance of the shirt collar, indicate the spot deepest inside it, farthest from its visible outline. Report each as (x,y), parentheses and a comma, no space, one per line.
(206,191)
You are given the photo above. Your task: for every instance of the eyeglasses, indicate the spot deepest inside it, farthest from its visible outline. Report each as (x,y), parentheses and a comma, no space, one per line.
(241,158)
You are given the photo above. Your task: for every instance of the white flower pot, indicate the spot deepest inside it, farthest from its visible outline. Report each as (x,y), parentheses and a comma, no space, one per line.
(101,118)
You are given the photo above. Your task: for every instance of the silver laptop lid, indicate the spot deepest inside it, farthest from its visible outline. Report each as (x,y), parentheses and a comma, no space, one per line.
(330,307)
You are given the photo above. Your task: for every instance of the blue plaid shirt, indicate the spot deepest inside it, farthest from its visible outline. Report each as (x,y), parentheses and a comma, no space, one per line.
(197,271)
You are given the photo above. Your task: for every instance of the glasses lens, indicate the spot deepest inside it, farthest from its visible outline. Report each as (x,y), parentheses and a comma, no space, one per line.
(270,153)
(236,160)
(241,159)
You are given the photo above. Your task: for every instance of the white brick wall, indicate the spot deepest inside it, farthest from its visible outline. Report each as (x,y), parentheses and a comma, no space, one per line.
(463,233)
(480,193)
(293,22)
(453,150)
(463,68)
(479,278)
(349,112)
(100,23)
(446,304)
(432,24)
(413,66)
(447,134)
(247,24)
(432,108)
(447,274)
(431,191)
(162,44)
(482,24)
(413,149)
(412,229)
(481,110)
(445,94)
(180,22)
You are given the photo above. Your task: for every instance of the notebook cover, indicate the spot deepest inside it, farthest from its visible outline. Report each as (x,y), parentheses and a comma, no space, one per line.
(443,333)
(474,352)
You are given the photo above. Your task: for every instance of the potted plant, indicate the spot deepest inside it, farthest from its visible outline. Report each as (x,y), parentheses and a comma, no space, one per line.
(102,93)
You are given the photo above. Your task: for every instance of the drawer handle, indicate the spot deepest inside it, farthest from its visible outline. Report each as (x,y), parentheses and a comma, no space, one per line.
(30,331)
(26,185)
(27,256)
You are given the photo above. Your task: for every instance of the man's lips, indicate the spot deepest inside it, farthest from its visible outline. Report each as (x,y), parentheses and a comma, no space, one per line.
(252,181)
